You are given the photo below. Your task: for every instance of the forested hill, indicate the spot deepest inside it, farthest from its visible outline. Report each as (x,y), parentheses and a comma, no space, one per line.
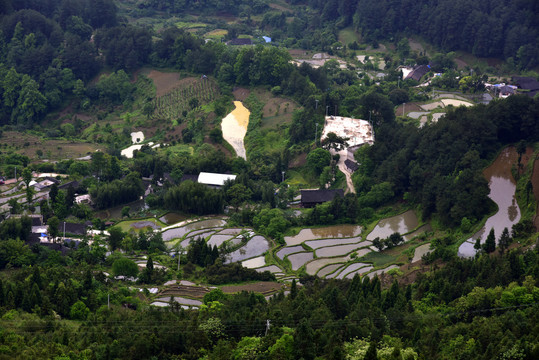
(489,28)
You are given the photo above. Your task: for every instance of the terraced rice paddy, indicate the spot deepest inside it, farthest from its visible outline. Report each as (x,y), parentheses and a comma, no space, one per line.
(402,224)
(334,232)
(274,269)
(318,264)
(254,262)
(299,259)
(257,246)
(218,240)
(315,244)
(351,268)
(281,254)
(339,250)
(328,270)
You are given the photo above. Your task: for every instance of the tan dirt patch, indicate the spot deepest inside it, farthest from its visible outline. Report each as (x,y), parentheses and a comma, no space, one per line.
(240,94)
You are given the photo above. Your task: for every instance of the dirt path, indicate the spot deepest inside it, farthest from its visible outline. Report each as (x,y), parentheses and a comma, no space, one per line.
(342,166)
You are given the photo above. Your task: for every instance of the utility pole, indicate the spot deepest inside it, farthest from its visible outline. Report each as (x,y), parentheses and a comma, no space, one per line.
(64,231)
(316,104)
(282,172)
(268,324)
(315,133)
(335,110)
(403,107)
(327,107)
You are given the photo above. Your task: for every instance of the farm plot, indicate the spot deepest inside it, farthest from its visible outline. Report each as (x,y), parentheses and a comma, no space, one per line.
(257,246)
(187,95)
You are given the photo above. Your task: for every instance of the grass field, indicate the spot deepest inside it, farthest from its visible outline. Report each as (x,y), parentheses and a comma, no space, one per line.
(348,36)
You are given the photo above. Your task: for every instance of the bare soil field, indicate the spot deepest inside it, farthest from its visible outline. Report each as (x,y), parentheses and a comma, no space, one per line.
(408,107)
(263,287)
(240,94)
(165,81)
(59,149)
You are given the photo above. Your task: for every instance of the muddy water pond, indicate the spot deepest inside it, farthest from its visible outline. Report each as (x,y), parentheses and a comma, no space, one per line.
(234,127)
(329,232)
(502,191)
(402,224)
(172,218)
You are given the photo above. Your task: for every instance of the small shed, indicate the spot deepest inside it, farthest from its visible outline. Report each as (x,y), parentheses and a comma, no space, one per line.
(310,198)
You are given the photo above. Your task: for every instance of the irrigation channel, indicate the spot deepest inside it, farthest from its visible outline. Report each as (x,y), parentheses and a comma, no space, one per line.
(234,127)
(502,191)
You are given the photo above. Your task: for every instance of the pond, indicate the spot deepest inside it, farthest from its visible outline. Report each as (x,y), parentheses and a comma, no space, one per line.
(337,231)
(234,127)
(299,259)
(257,246)
(502,191)
(402,224)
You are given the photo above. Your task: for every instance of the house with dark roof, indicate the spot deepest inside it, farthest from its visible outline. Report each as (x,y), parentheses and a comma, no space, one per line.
(311,198)
(418,72)
(527,83)
(351,165)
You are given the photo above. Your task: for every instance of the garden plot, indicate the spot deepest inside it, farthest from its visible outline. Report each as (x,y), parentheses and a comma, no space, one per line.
(255,263)
(351,268)
(257,246)
(417,114)
(315,244)
(299,259)
(289,250)
(339,250)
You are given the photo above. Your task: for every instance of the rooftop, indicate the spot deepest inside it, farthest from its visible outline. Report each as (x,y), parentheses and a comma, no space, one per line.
(214,178)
